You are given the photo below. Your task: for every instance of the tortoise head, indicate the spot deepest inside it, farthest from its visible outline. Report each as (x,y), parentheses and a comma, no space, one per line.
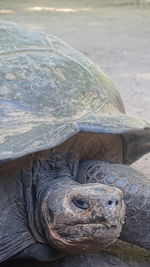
(81,218)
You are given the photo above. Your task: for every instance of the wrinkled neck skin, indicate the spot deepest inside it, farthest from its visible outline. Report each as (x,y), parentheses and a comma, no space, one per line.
(44,179)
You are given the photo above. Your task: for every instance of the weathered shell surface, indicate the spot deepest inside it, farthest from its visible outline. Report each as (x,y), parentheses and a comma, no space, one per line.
(50,92)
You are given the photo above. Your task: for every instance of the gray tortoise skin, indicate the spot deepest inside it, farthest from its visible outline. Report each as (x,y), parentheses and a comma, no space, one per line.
(65,140)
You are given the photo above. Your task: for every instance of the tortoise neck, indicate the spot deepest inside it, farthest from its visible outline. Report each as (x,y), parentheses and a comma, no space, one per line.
(42,181)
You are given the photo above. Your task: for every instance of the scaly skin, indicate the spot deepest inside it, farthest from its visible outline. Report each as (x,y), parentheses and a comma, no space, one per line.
(45,213)
(136,189)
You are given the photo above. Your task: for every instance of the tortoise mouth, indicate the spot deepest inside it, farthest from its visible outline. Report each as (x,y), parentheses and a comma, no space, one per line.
(108,226)
(88,230)
(85,237)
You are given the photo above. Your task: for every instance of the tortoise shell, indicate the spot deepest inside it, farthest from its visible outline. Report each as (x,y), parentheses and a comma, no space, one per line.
(51,93)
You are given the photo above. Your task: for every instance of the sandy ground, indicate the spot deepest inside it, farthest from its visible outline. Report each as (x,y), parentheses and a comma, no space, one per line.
(114,34)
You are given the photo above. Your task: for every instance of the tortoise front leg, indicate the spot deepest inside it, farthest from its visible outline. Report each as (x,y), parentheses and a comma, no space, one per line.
(136,189)
(40,252)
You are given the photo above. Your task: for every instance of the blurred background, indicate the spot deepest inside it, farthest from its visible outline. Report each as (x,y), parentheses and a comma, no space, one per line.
(115,34)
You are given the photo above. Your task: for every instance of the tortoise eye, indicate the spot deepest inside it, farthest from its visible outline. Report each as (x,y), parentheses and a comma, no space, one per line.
(80,203)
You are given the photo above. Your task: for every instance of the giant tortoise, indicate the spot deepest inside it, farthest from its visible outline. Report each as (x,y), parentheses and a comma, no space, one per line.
(65,142)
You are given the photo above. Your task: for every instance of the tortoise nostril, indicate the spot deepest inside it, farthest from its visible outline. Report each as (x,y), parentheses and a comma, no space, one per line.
(113,203)
(80,203)
(110,202)
(117,202)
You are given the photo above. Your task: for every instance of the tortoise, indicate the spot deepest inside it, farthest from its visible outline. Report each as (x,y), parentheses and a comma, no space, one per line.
(65,142)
